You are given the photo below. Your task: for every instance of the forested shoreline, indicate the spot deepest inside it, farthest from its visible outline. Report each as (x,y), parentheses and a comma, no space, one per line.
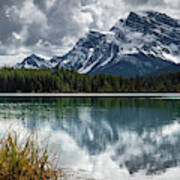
(57,81)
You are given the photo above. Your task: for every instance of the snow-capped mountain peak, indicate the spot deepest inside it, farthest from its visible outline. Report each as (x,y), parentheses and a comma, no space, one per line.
(142,43)
(33,62)
(151,33)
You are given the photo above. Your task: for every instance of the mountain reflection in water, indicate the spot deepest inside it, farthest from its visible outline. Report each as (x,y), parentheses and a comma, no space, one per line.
(133,134)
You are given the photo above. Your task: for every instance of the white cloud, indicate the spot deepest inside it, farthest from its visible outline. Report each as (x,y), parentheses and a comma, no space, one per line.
(29,13)
(11,60)
(84,19)
(16,35)
(49,3)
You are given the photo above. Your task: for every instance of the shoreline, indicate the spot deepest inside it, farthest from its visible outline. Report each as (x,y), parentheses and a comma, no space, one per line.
(158,95)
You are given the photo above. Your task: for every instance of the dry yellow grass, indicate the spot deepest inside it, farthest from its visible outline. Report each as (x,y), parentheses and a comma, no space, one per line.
(25,161)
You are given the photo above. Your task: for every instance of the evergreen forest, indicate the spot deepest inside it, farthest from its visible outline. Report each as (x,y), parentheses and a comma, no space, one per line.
(57,81)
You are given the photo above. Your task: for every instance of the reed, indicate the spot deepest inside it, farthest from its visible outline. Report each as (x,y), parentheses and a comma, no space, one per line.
(25,160)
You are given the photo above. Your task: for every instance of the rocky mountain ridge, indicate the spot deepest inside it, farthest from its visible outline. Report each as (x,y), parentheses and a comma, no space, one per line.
(144,43)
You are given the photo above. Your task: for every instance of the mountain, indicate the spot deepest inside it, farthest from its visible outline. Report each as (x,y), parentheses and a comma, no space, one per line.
(144,43)
(34,62)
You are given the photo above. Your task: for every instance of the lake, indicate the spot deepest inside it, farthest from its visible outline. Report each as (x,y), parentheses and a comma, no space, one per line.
(108,138)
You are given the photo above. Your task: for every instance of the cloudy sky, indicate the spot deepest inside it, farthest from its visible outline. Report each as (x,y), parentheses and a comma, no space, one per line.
(51,27)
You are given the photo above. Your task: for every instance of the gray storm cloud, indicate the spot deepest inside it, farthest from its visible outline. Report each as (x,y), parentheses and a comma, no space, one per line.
(51,27)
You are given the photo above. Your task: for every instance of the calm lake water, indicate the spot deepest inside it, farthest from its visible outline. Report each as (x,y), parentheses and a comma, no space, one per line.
(110,138)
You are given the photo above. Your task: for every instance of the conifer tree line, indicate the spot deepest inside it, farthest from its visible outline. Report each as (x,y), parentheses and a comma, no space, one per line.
(44,80)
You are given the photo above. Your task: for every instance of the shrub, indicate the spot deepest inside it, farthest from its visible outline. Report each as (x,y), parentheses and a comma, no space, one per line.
(25,160)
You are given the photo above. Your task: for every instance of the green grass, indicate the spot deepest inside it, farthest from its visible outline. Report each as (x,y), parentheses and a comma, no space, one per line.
(25,160)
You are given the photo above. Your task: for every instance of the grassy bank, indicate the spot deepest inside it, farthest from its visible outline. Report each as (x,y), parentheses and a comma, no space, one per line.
(25,160)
